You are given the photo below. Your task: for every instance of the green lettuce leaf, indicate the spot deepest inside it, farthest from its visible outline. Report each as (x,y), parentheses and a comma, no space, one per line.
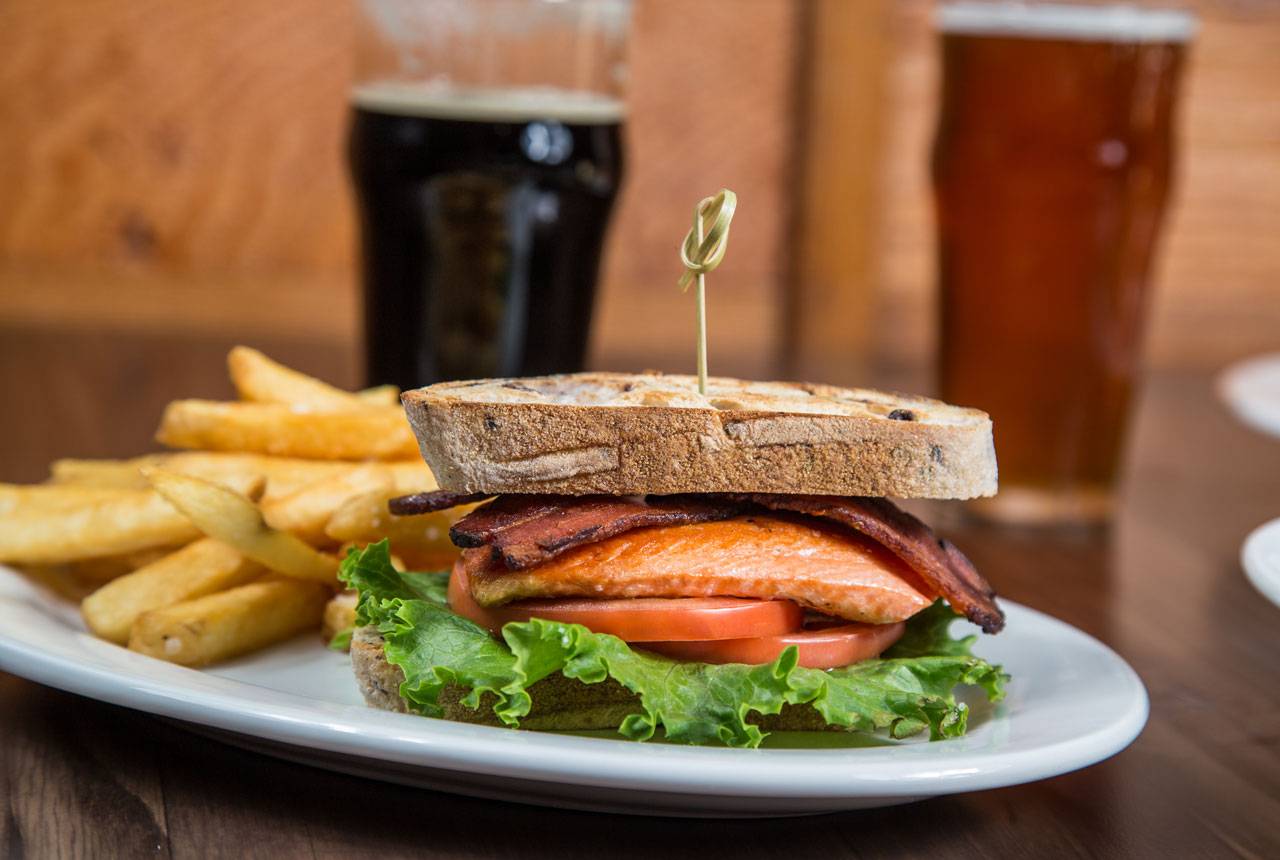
(909,690)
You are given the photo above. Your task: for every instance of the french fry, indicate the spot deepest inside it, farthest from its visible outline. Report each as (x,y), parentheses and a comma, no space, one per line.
(365,433)
(258,379)
(229,623)
(108,567)
(128,521)
(55,497)
(76,580)
(285,475)
(200,568)
(123,474)
(306,511)
(339,615)
(422,540)
(380,395)
(233,519)
(411,477)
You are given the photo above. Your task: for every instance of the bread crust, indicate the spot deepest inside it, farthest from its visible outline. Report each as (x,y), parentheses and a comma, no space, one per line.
(623,434)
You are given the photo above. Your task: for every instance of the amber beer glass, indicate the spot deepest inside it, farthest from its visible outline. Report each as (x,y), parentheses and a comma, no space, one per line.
(1051,170)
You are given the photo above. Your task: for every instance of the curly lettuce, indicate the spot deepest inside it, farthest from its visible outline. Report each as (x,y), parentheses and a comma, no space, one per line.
(909,690)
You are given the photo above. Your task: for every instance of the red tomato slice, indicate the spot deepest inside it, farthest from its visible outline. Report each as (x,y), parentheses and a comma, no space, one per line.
(825,648)
(646,619)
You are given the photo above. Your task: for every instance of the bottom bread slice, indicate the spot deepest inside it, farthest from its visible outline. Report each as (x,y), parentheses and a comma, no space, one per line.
(558,703)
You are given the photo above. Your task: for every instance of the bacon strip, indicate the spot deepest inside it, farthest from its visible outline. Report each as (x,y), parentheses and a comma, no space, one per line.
(938,562)
(435,500)
(525,531)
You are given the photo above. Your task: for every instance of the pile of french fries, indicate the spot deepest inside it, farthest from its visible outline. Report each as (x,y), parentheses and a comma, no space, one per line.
(201,555)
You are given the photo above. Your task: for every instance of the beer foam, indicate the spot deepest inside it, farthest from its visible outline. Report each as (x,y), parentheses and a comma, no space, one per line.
(1120,23)
(431,100)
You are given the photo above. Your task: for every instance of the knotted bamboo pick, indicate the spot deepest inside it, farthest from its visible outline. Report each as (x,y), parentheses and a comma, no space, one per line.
(701,252)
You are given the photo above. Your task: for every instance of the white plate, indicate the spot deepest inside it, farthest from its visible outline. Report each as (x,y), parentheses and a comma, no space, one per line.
(1252,390)
(1260,557)
(1072,702)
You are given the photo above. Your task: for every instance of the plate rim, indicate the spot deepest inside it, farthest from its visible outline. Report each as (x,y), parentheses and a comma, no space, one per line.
(294,719)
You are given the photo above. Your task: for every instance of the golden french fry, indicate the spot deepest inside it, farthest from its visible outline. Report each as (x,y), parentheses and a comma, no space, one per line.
(61,579)
(339,615)
(306,511)
(108,567)
(128,521)
(284,475)
(76,580)
(233,519)
(55,497)
(365,433)
(123,474)
(421,540)
(380,395)
(229,623)
(411,477)
(197,569)
(261,380)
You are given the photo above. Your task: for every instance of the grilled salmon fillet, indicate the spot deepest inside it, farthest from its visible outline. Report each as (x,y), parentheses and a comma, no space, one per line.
(820,566)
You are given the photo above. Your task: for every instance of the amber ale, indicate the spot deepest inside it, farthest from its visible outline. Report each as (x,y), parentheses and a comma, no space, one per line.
(1051,170)
(482,216)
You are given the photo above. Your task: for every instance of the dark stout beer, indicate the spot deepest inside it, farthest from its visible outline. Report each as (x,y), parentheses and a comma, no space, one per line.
(482,218)
(1051,170)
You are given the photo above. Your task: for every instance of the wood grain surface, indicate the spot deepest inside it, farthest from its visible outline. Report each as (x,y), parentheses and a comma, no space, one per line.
(1163,587)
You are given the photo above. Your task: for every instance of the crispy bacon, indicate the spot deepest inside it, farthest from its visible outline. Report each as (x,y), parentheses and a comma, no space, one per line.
(523,531)
(938,562)
(435,500)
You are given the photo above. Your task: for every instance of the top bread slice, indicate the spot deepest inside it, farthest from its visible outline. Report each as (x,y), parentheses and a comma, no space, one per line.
(624,434)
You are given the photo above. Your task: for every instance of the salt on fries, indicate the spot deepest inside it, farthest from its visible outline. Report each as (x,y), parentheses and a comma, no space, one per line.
(199,555)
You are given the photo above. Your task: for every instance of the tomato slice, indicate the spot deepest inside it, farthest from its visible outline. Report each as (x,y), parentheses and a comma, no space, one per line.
(824,648)
(643,619)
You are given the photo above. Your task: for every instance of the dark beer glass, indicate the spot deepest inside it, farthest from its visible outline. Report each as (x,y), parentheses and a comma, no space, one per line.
(1051,167)
(486,152)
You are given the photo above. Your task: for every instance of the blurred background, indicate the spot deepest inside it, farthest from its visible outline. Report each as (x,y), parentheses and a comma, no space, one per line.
(172,182)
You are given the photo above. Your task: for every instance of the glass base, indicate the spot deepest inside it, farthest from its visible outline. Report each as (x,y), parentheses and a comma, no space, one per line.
(1035,506)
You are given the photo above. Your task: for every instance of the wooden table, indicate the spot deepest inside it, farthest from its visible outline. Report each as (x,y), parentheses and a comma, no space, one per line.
(1163,587)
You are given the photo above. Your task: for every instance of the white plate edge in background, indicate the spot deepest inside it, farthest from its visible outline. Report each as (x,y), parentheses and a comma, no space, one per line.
(1238,387)
(1260,558)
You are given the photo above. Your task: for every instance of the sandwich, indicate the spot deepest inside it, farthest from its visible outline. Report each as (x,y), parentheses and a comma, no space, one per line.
(640,557)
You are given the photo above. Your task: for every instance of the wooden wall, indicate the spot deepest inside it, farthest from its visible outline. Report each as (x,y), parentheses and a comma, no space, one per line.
(180,166)
(177,167)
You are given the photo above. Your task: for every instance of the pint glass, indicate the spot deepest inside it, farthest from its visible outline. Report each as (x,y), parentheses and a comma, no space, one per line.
(485,149)
(1051,170)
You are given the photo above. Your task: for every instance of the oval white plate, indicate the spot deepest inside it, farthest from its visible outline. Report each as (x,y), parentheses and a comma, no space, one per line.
(1260,557)
(1252,390)
(1072,702)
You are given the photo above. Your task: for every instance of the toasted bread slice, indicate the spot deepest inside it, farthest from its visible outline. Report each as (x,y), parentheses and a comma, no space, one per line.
(624,434)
